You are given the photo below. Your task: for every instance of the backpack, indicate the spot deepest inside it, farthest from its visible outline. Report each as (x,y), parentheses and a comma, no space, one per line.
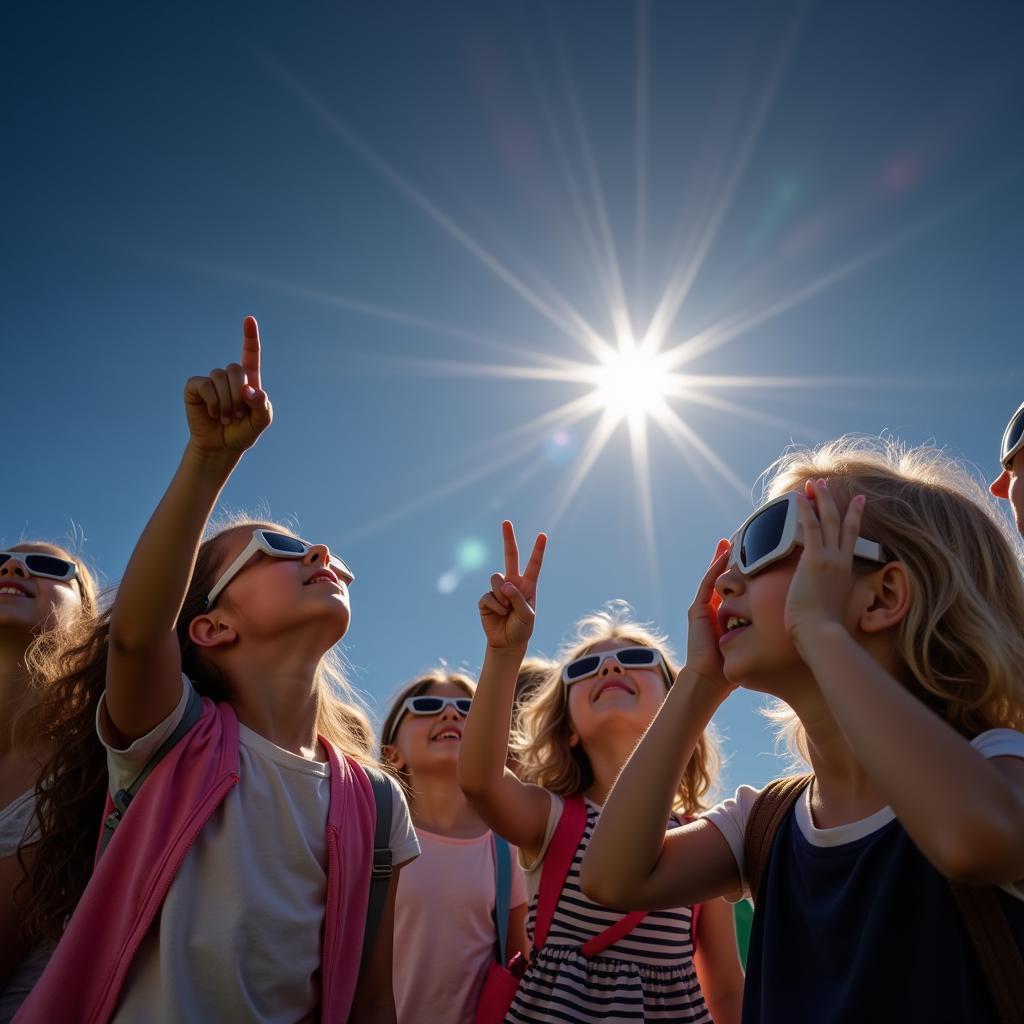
(380,872)
(978,905)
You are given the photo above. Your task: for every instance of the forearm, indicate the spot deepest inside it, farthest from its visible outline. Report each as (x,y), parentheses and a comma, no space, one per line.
(145,613)
(628,838)
(484,747)
(959,809)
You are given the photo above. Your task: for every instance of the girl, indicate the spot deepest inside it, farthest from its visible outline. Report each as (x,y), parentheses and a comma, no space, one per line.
(236,885)
(444,911)
(878,595)
(44,592)
(579,730)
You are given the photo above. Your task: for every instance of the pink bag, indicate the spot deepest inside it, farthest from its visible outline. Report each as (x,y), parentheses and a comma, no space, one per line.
(502,981)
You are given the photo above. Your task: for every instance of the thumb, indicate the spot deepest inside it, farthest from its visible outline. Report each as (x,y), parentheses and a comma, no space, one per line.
(520,606)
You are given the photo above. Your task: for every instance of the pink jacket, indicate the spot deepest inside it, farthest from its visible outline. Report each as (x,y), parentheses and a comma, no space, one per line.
(83,980)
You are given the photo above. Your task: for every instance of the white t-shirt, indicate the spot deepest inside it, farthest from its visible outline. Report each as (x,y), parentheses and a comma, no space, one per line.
(730,817)
(239,934)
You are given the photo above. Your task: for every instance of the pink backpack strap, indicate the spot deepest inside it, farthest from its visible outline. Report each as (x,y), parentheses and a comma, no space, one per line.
(557,862)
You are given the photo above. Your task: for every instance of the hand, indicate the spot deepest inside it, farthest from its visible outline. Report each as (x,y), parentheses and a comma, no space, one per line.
(703,656)
(228,410)
(821,585)
(507,610)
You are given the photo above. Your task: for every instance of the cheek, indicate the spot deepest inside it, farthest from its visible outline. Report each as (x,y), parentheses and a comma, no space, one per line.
(61,605)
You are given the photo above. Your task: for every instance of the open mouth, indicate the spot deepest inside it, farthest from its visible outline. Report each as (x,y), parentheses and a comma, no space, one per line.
(447,735)
(730,624)
(13,590)
(323,576)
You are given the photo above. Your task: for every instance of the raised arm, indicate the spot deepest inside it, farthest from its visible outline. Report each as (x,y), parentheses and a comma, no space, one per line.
(631,863)
(226,412)
(513,809)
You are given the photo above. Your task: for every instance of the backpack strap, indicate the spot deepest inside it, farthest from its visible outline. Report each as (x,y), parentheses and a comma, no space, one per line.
(502,893)
(123,797)
(380,872)
(557,862)
(770,808)
(995,946)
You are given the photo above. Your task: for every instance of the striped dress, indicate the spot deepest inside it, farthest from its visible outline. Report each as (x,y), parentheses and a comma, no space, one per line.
(648,975)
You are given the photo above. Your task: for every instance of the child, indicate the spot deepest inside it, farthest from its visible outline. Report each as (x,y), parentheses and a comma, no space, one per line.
(879,596)
(582,724)
(445,927)
(44,592)
(236,886)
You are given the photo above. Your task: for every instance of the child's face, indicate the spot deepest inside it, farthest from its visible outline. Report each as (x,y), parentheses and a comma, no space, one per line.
(616,697)
(755,655)
(30,604)
(271,597)
(430,743)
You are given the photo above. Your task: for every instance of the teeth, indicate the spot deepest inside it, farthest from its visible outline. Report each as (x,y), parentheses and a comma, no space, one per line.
(734,622)
(448,736)
(11,590)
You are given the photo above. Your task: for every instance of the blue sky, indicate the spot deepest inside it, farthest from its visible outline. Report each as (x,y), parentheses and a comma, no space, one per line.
(407,195)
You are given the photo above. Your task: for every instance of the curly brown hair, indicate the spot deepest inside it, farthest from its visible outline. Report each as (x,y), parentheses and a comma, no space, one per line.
(541,741)
(71,667)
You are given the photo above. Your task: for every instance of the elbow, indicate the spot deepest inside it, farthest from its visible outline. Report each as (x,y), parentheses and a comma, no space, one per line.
(601,887)
(991,853)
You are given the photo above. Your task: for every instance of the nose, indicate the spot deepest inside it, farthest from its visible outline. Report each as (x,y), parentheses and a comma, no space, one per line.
(1000,487)
(318,554)
(610,666)
(450,713)
(731,581)
(14,566)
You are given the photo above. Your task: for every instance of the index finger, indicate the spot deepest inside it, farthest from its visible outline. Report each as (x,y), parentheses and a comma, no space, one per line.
(536,558)
(511,550)
(251,352)
(719,564)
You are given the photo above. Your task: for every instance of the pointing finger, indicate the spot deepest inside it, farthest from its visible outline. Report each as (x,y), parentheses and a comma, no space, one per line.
(511,549)
(251,351)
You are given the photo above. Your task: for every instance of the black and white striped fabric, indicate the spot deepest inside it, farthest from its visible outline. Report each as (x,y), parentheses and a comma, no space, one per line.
(648,975)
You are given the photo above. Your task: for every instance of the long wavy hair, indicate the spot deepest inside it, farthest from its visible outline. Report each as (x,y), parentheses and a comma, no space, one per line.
(960,644)
(72,669)
(415,688)
(541,741)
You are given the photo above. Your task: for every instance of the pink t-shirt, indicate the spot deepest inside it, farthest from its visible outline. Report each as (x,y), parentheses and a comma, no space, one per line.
(444,932)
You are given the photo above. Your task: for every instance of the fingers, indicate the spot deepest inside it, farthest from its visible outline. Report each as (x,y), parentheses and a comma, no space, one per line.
(521,608)
(851,526)
(828,514)
(508,535)
(489,603)
(237,386)
(706,589)
(251,352)
(497,589)
(532,571)
(200,391)
(223,388)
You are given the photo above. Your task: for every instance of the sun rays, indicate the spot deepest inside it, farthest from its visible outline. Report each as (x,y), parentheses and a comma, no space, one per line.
(626,372)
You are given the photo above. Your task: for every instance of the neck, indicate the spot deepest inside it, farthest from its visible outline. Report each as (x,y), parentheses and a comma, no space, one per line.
(439,806)
(14,685)
(842,790)
(275,694)
(608,754)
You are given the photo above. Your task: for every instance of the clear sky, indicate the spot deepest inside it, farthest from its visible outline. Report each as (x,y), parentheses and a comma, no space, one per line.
(433,209)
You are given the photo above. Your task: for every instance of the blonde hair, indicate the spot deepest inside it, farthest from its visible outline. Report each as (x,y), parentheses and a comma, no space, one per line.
(414,688)
(541,742)
(961,641)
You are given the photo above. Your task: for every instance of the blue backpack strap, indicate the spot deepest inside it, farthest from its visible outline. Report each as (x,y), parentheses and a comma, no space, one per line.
(502,892)
(123,797)
(380,872)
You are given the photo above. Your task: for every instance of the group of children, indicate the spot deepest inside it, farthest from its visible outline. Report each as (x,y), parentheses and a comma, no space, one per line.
(540,845)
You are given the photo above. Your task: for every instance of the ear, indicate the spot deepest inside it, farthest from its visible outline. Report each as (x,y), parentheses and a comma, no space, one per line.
(887,600)
(392,756)
(211,631)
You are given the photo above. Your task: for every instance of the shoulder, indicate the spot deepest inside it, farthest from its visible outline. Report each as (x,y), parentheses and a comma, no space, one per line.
(403,841)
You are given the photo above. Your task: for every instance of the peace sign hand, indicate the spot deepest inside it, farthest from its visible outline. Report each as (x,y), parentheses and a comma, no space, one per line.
(507,610)
(228,410)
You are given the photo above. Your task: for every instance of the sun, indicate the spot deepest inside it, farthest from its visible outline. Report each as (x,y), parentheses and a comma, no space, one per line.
(631,383)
